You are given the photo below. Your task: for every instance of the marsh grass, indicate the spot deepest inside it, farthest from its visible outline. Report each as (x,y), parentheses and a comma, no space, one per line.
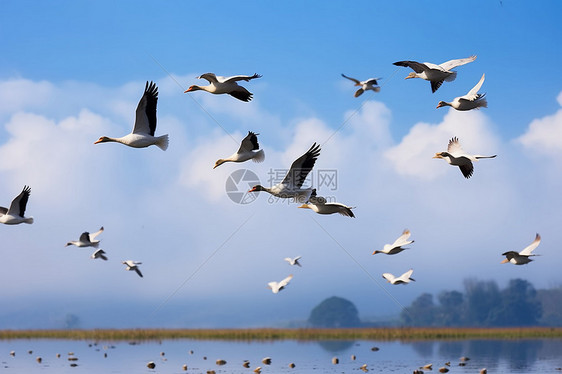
(267,334)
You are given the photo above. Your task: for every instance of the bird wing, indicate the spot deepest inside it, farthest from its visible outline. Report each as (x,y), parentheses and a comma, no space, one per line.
(93,236)
(249,143)
(17,208)
(236,78)
(407,274)
(372,81)
(85,237)
(351,79)
(527,251)
(473,94)
(454,147)
(342,209)
(402,239)
(359,92)
(315,199)
(301,167)
(389,277)
(467,169)
(418,67)
(454,63)
(3,210)
(145,121)
(210,77)
(285,281)
(138,271)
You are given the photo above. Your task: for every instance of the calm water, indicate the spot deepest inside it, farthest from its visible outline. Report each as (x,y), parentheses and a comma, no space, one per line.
(498,356)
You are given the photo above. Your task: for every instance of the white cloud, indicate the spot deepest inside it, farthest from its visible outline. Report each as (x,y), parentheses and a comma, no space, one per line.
(413,155)
(544,134)
(17,94)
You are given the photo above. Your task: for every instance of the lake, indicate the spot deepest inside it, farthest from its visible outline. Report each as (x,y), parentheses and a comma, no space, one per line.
(497,356)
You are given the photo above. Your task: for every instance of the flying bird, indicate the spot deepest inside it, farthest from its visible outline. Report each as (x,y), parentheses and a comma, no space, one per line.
(319,205)
(293,261)
(87,239)
(16,213)
(456,156)
(435,74)
(472,100)
(249,150)
(290,186)
(397,246)
(145,123)
(403,279)
(523,257)
(278,286)
(225,85)
(133,266)
(100,253)
(369,84)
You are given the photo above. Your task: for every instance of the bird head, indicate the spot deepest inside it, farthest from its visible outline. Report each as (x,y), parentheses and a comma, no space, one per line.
(192,88)
(257,188)
(103,139)
(441,104)
(505,260)
(411,75)
(219,163)
(439,155)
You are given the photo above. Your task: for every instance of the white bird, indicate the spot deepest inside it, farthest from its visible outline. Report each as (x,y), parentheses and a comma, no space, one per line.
(100,253)
(397,246)
(290,186)
(278,286)
(225,85)
(293,261)
(16,213)
(369,84)
(403,279)
(145,123)
(319,205)
(436,74)
(456,156)
(472,100)
(248,151)
(523,257)
(132,266)
(87,239)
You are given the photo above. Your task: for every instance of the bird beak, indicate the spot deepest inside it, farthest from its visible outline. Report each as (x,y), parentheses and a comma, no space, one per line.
(186,91)
(97,141)
(438,106)
(437,155)
(303,206)
(504,261)
(253,189)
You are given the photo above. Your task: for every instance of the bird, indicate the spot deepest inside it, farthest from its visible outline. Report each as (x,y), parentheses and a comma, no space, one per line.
(16,213)
(290,186)
(523,257)
(293,261)
(278,286)
(472,100)
(397,246)
(132,265)
(100,253)
(225,85)
(436,74)
(249,150)
(86,240)
(403,279)
(369,84)
(456,156)
(145,123)
(320,206)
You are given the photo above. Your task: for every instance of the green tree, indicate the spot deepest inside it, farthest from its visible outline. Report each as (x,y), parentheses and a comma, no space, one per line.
(450,310)
(519,305)
(421,312)
(482,298)
(334,312)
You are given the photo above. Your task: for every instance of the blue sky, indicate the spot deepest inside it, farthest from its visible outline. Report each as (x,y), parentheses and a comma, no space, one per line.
(73,71)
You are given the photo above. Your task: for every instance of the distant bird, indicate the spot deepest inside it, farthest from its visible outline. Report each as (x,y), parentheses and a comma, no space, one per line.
(396,247)
(278,286)
(225,85)
(16,213)
(436,74)
(320,206)
(249,150)
(100,253)
(403,279)
(132,266)
(86,239)
(293,261)
(472,100)
(369,84)
(290,186)
(523,257)
(456,156)
(145,123)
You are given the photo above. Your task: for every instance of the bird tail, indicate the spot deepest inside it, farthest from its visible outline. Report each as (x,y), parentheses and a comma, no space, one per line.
(451,77)
(482,102)
(259,157)
(162,142)
(29,220)
(377,89)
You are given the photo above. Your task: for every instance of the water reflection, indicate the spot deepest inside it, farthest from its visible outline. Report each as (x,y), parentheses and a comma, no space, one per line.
(336,346)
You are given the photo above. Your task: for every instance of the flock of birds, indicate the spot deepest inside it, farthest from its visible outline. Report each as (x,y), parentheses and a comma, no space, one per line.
(291,187)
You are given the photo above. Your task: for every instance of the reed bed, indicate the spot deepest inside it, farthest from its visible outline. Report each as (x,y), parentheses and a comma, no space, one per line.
(306,334)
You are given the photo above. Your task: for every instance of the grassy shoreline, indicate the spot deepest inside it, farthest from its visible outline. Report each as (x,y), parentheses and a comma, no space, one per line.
(385,334)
